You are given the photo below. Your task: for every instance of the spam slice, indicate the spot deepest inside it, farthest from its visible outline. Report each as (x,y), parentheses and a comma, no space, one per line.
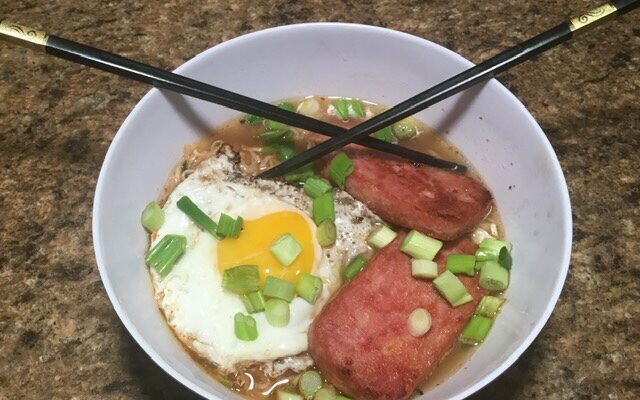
(360,341)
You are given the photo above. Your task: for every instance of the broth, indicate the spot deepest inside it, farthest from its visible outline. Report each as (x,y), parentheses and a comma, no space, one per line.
(251,381)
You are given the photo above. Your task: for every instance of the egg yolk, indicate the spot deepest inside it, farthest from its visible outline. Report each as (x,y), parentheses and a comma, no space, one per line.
(252,247)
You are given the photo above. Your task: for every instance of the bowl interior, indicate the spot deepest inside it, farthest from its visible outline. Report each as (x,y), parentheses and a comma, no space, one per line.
(487,123)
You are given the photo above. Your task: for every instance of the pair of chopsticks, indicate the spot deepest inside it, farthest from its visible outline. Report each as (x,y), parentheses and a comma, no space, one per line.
(340,137)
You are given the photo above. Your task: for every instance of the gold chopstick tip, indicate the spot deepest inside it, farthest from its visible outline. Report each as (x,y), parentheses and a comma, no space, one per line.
(20,33)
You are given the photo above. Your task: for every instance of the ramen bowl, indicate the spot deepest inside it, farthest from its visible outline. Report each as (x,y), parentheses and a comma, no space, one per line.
(487,123)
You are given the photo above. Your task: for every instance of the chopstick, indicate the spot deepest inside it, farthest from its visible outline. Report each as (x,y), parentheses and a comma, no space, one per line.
(481,72)
(100,59)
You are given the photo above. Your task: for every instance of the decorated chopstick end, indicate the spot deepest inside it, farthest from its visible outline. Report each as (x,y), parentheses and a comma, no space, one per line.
(593,17)
(22,34)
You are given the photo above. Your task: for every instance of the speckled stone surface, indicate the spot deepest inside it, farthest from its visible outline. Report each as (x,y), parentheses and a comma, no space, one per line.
(61,339)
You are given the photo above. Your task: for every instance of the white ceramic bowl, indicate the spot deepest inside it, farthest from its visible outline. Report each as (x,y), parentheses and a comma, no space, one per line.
(487,123)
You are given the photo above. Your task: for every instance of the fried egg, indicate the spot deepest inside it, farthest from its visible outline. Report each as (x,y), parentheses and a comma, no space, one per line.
(191,296)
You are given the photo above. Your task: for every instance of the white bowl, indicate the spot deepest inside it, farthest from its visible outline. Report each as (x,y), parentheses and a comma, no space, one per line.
(487,123)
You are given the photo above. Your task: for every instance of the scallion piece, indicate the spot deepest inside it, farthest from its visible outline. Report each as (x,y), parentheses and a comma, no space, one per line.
(315,186)
(325,393)
(253,302)
(284,150)
(283,395)
(286,249)
(493,276)
(242,279)
(226,225)
(245,327)
(310,382)
(237,227)
(277,312)
(384,134)
(342,108)
(381,236)
(300,175)
(326,233)
(309,287)
(341,397)
(495,250)
(476,330)
(152,217)
(461,264)
(355,109)
(277,136)
(420,246)
(187,206)
(279,289)
(253,119)
(489,306)
(340,168)
(279,125)
(489,243)
(452,289)
(355,266)
(419,322)
(403,130)
(323,208)
(163,256)
(426,269)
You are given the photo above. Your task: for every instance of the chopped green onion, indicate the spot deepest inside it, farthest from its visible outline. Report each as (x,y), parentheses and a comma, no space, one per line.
(277,136)
(341,397)
(489,243)
(384,134)
(285,151)
(277,312)
(420,246)
(423,268)
(476,330)
(253,119)
(310,382)
(300,175)
(326,233)
(245,327)
(187,206)
(163,256)
(287,106)
(493,276)
(282,395)
(309,287)
(152,217)
(381,236)
(355,108)
(323,208)
(342,108)
(253,302)
(315,186)
(237,227)
(489,306)
(403,130)
(279,125)
(226,225)
(419,322)
(499,254)
(242,279)
(452,289)
(286,249)
(340,168)
(325,393)
(355,266)
(279,289)
(461,264)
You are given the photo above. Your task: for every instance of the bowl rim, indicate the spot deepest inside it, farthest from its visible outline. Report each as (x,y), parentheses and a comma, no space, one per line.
(100,187)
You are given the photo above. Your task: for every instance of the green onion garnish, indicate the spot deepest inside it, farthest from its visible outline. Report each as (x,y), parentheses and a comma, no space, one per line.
(342,109)
(242,279)
(282,395)
(493,276)
(426,269)
(163,256)
(245,327)
(340,168)
(403,130)
(277,312)
(355,266)
(381,236)
(284,150)
(152,217)
(310,382)
(323,208)
(253,302)
(348,108)
(420,246)
(197,216)
(309,287)
(277,136)
(300,175)
(279,125)
(495,250)
(315,186)
(419,322)
(461,264)
(489,243)
(253,119)
(341,397)
(452,289)
(384,134)
(286,249)
(476,330)
(325,393)
(237,227)
(489,306)
(228,226)
(326,233)
(279,289)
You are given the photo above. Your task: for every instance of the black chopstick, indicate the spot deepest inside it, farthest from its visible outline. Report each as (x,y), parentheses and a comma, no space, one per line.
(482,72)
(160,78)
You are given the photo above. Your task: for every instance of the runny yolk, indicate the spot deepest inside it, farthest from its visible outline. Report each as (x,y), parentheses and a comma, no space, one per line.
(252,247)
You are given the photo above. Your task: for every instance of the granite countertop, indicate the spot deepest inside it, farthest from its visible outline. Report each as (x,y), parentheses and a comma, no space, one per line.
(62,339)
